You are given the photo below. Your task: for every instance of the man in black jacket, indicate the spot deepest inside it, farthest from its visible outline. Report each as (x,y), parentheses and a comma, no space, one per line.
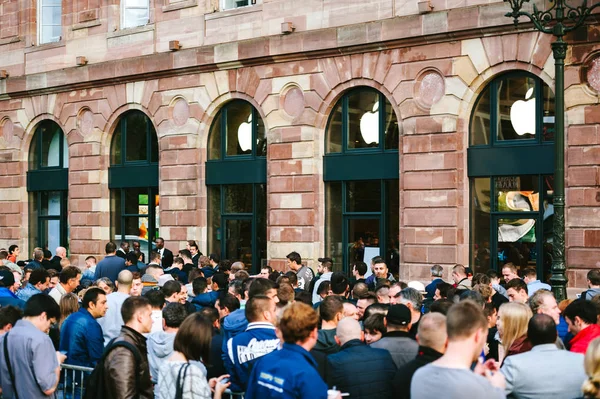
(432,341)
(358,369)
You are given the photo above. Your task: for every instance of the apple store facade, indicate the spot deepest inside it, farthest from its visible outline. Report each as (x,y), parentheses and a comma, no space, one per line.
(433,153)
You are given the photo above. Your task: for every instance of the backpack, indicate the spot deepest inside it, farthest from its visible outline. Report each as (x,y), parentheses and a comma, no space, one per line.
(95,387)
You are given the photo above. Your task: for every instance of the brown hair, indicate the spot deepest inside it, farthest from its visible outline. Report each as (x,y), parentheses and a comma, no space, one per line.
(256,306)
(591,386)
(297,322)
(285,293)
(193,338)
(463,319)
(485,291)
(69,303)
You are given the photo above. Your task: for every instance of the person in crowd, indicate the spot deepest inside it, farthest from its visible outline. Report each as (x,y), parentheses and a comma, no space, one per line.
(395,289)
(131,262)
(9,315)
(581,317)
(69,279)
(216,367)
(150,278)
(544,371)
(265,272)
(533,284)
(154,259)
(359,369)
(491,314)
(359,269)
(591,385)
(450,376)
(36,262)
(593,283)
(350,310)
(291,370)
(374,328)
(54,278)
(157,303)
(6,262)
(236,322)
(364,302)
(236,288)
(138,249)
(441,291)
(172,291)
(124,376)
(186,367)
(380,273)
(219,288)
(441,306)
(105,285)
(123,250)
(7,296)
(13,253)
(90,268)
(460,278)
(160,343)
(513,318)
(176,270)
(432,339)
(437,274)
(166,256)
(383,294)
(304,273)
(81,335)
(413,299)
(226,305)
(59,254)
(397,340)
(47,261)
(543,302)
(34,365)
(68,304)
(326,270)
(323,291)
(111,265)
(497,298)
(509,272)
(186,262)
(517,291)
(196,254)
(136,284)
(113,320)
(258,340)
(285,293)
(495,280)
(331,311)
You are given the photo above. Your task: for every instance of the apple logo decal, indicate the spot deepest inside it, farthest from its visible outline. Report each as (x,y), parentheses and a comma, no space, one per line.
(245,135)
(522,114)
(369,125)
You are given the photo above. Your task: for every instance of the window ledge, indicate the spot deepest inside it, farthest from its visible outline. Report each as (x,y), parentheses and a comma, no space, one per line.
(131,31)
(45,46)
(235,11)
(84,25)
(180,5)
(10,40)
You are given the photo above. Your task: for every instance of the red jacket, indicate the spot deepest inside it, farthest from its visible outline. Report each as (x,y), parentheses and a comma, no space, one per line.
(580,342)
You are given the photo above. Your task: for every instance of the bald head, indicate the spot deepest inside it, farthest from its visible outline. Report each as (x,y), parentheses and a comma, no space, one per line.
(348,329)
(432,331)
(124,281)
(61,251)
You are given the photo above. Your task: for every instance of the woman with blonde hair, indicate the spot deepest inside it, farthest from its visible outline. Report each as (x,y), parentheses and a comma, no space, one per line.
(591,386)
(513,318)
(69,303)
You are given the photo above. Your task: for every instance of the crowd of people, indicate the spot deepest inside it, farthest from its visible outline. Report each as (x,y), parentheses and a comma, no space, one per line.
(191,326)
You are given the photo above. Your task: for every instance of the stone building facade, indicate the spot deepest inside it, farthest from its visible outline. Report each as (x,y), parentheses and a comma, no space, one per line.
(293,62)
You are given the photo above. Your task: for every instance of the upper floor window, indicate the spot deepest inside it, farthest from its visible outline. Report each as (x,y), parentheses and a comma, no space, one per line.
(50,24)
(229,4)
(135,13)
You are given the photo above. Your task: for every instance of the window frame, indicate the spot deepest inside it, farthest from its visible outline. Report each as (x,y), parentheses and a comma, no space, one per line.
(41,24)
(521,157)
(223,7)
(125,7)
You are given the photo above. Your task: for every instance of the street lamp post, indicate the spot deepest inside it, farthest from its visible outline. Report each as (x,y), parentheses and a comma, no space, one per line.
(558,20)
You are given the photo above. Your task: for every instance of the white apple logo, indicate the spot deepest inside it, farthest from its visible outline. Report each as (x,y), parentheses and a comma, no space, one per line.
(245,135)
(369,125)
(522,115)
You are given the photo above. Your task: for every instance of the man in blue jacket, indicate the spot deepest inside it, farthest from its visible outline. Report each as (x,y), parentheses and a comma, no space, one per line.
(358,369)
(258,340)
(81,335)
(290,372)
(7,295)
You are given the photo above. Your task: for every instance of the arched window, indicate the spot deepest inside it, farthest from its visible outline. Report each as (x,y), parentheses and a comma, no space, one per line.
(133,181)
(361,170)
(510,168)
(47,184)
(236,176)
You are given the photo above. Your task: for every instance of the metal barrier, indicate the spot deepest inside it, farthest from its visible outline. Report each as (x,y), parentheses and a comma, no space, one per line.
(234,395)
(73,379)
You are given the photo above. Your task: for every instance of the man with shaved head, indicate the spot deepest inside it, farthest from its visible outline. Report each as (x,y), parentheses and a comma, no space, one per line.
(346,370)
(113,320)
(432,339)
